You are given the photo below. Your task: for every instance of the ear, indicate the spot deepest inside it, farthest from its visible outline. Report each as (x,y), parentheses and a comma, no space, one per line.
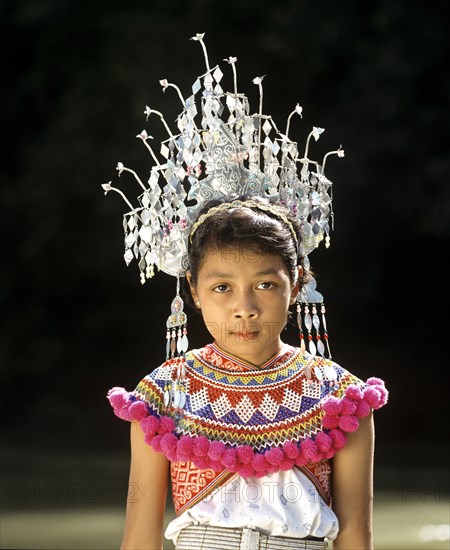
(297,287)
(192,288)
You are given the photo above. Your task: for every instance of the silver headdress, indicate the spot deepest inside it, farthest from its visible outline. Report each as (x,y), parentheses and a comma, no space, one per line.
(220,150)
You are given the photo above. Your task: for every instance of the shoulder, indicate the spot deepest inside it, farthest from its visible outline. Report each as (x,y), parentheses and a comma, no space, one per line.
(333,382)
(169,366)
(156,381)
(322,370)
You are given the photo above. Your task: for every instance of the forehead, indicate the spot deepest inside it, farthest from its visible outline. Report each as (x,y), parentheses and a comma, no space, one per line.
(240,261)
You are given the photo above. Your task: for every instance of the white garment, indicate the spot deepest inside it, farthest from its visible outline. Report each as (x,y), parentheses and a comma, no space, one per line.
(281,504)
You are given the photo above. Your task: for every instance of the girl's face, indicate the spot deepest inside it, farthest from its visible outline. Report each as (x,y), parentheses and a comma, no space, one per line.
(244,297)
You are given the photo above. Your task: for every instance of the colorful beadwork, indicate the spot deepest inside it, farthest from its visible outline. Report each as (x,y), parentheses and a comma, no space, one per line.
(248,420)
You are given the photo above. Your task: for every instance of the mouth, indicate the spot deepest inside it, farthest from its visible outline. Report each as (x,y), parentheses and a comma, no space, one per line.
(246,335)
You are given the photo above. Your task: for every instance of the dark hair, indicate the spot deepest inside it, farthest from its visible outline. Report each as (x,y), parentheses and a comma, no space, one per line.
(245,228)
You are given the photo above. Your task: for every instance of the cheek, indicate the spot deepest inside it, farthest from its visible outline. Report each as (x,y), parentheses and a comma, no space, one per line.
(212,310)
(213,319)
(281,300)
(209,305)
(284,305)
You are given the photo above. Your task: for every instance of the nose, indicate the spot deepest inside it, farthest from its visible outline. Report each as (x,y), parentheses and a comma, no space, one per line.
(245,306)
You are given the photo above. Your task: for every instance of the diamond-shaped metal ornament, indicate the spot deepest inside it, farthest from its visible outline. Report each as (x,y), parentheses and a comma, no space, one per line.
(128,256)
(212,153)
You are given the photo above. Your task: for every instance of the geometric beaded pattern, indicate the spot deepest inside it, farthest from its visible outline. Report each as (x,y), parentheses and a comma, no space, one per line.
(239,404)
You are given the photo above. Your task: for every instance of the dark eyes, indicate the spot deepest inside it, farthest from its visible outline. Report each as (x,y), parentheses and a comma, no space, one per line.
(220,288)
(265,285)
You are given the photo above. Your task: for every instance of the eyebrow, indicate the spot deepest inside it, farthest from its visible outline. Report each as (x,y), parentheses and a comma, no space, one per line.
(222,275)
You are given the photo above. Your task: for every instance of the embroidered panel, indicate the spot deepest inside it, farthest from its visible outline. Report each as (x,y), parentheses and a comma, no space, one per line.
(191,484)
(320,474)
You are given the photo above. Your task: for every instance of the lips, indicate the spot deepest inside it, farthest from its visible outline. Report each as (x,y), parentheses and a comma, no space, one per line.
(249,335)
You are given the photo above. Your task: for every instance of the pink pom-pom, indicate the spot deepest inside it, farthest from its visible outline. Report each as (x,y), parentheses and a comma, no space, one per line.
(274,456)
(301,460)
(201,445)
(330,421)
(332,406)
(384,396)
(155,442)
(216,465)
(309,450)
(362,409)
(260,463)
(291,450)
(272,468)
(168,445)
(378,384)
(329,454)
(372,396)
(120,402)
(374,381)
(323,442)
(185,449)
(286,464)
(201,462)
(339,439)
(150,425)
(118,397)
(348,406)
(166,425)
(245,454)
(116,389)
(348,423)
(354,392)
(245,470)
(138,410)
(216,450)
(230,460)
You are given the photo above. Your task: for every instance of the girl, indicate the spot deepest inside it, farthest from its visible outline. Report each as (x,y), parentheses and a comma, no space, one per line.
(273,447)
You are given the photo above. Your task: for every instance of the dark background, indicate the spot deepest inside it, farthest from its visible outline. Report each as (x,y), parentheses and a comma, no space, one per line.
(76,76)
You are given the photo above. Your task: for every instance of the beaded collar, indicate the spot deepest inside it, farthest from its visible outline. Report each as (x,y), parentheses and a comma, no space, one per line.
(215,356)
(296,411)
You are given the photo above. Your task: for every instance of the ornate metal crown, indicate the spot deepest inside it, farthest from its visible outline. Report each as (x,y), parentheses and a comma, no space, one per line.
(220,151)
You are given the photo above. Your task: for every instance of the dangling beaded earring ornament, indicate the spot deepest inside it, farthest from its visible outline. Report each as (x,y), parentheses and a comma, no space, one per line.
(176,347)
(316,324)
(308,319)
(300,328)
(325,330)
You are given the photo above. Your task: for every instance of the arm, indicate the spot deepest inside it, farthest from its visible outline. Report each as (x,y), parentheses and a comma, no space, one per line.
(148,482)
(352,489)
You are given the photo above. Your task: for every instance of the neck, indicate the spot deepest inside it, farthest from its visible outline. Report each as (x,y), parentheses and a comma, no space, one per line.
(256,361)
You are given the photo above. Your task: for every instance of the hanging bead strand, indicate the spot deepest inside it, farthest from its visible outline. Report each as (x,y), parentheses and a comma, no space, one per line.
(308,325)
(300,328)
(325,331)
(316,324)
